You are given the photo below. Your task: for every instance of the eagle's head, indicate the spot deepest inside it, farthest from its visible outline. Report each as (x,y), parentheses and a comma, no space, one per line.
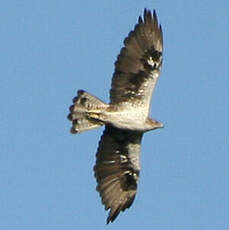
(154,124)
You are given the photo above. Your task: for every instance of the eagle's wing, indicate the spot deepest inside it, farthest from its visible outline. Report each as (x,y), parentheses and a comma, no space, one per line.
(138,64)
(117,169)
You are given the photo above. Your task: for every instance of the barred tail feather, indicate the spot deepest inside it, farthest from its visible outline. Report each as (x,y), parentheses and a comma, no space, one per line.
(85,104)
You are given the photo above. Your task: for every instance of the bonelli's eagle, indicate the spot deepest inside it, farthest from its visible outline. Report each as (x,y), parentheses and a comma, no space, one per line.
(126,117)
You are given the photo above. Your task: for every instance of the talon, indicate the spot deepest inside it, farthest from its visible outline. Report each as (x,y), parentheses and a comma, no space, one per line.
(93,115)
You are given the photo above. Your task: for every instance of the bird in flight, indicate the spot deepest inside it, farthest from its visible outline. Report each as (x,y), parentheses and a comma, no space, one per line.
(126,117)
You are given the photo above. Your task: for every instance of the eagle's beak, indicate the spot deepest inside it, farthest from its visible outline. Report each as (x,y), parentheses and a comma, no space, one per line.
(160,125)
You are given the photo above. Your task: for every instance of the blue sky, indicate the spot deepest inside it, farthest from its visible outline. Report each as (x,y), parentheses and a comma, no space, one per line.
(49,49)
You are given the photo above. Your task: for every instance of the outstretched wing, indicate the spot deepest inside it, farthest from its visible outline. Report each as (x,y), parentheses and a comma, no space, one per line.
(138,64)
(117,169)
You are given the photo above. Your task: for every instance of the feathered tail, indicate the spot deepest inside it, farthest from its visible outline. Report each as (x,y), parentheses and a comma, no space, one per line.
(84,111)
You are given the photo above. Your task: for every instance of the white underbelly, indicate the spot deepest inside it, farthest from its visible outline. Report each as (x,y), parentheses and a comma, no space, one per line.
(130,119)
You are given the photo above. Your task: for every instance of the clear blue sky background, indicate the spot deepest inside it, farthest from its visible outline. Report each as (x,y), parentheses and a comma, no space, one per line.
(48,50)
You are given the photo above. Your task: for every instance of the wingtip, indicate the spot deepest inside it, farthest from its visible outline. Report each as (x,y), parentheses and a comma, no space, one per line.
(140,21)
(108,221)
(150,16)
(145,11)
(147,15)
(154,13)
(155,19)
(110,218)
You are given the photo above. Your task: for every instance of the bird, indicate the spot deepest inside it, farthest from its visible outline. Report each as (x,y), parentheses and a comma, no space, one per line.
(126,117)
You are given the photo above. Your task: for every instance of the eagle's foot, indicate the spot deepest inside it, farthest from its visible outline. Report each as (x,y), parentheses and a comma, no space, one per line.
(93,115)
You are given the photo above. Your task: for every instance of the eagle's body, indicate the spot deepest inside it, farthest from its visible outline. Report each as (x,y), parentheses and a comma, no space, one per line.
(126,117)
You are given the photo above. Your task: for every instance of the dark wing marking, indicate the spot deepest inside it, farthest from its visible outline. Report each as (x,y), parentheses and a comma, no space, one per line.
(117,169)
(138,64)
